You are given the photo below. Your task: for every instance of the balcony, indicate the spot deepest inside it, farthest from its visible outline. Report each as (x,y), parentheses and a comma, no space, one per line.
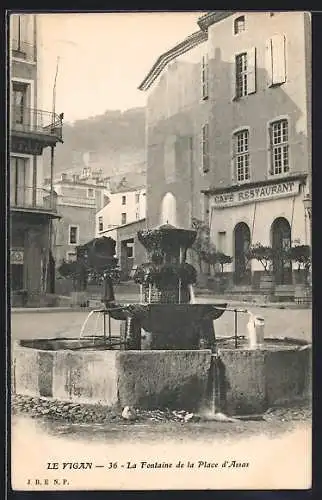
(32,199)
(34,129)
(23,50)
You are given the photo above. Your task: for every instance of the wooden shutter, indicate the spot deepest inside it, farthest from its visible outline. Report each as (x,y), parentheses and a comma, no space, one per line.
(279,66)
(205,148)
(251,71)
(269,62)
(270,150)
(14,33)
(204,76)
(24,31)
(233,78)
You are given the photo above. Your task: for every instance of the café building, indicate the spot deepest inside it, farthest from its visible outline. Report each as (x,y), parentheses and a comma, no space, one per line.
(271,213)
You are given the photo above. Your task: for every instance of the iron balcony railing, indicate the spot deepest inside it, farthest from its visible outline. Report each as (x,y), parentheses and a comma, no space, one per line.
(35,120)
(26,197)
(23,50)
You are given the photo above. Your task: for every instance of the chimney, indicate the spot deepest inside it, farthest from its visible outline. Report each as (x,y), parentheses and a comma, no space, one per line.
(63,177)
(75,177)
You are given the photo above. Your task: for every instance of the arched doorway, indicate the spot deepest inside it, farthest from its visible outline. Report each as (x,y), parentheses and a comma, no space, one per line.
(281,242)
(242,273)
(168,210)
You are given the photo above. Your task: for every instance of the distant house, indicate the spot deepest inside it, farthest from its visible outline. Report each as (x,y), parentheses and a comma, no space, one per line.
(129,251)
(78,200)
(124,205)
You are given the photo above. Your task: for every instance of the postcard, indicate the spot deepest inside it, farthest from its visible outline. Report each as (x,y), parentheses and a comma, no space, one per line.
(160,250)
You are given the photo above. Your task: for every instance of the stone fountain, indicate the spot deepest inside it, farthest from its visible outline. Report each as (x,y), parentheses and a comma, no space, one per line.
(167,312)
(185,365)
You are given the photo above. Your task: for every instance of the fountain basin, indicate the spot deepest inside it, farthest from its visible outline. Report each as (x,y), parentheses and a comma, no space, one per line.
(174,326)
(236,381)
(146,379)
(252,380)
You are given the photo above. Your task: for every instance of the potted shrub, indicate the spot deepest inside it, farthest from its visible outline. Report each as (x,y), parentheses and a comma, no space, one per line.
(265,255)
(204,250)
(301,254)
(71,270)
(222,260)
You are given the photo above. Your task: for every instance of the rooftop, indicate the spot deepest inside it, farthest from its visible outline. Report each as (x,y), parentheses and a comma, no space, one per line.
(188,43)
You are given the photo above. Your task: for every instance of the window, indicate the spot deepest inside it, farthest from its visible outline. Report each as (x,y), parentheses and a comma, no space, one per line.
(279,147)
(90,193)
(100,224)
(244,74)
(241,74)
(276,60)
(123,220)
(73,235)
(239,25)
(204,77)
(19,102)
(137,198)
(241,155)
(130,251)
(20,192)
(222,241)
(123,200)
(19,32)
(205,148)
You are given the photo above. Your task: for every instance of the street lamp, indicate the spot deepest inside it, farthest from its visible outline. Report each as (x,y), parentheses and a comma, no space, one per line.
(307,201)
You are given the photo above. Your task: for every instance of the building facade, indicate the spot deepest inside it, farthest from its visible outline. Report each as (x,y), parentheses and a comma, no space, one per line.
(128,250)
(31,131)
(251,167)
(177,108)
(78,198)
(122,206)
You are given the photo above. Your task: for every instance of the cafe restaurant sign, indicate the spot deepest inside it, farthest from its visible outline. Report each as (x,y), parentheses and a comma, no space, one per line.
(254,194)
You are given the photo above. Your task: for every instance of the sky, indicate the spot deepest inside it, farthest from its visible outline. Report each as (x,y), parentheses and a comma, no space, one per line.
(102,58)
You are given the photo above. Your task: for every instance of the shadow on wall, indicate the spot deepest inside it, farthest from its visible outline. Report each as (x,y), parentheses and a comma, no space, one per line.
(264,102)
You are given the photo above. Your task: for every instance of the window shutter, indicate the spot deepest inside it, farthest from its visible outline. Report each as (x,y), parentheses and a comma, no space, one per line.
(24,18)
(269,62)
(14,27)
(233,78)
(279,66)
(205,148)
(251,76)
(270,151)
(204,77)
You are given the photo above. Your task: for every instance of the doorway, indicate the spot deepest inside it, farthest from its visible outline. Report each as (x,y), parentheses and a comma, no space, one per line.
(281,243)
(242,274)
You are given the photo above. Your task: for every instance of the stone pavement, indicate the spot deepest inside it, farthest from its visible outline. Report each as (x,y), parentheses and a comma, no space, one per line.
(296,323)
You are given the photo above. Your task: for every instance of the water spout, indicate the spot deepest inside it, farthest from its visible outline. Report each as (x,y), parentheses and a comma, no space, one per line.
(192,295)
(255,329)
(90,314)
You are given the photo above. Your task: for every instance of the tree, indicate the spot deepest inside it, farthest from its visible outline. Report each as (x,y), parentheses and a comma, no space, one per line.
(70,270)
(203,247)
(263,254)
(301,254)
(223,259)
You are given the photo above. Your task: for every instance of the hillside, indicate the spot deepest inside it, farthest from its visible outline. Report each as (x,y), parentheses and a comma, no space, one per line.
(113,142)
